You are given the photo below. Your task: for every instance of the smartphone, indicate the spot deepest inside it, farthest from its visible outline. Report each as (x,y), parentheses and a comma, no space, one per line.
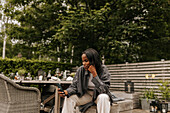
(59,86)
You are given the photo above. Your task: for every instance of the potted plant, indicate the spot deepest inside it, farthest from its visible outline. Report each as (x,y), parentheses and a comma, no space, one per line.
(148,94)
(21,73)
(148,97)
(164,88)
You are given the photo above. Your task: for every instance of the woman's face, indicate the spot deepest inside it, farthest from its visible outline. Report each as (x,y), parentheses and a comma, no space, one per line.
(85,61)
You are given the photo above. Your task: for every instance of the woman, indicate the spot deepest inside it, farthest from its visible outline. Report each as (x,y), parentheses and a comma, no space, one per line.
(90,86)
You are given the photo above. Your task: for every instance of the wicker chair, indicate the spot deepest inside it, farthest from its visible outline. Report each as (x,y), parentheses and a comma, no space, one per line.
(18,99)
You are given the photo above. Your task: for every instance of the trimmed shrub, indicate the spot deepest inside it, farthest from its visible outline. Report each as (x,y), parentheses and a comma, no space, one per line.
(32,66)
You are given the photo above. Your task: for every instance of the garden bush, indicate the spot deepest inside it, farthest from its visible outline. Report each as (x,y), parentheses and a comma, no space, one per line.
(8,66)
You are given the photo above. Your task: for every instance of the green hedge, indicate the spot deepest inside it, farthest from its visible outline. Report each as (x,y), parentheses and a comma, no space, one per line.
(33,66)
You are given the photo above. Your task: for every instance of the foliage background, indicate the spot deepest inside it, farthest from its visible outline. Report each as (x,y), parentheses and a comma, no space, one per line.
(31,66)
(120,30)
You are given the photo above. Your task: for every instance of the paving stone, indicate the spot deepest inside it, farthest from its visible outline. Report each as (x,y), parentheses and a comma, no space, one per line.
(114,109)
(92,109)
(136,111)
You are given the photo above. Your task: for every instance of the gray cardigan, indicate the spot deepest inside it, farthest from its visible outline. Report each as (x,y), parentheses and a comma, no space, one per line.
(80,85)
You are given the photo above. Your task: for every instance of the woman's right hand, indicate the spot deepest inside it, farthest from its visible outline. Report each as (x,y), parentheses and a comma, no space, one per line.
(62,94)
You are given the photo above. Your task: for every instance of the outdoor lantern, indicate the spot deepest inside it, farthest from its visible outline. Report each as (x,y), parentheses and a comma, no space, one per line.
(154,105)
(164,107)
(129,87)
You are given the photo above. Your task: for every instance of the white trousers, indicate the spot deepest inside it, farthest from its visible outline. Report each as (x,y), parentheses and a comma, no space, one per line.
(102,101)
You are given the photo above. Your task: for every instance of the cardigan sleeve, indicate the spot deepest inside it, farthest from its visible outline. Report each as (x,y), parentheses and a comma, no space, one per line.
(72,89)
(102,83)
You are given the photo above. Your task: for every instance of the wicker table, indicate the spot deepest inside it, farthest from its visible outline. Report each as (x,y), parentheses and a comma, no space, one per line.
(39,82)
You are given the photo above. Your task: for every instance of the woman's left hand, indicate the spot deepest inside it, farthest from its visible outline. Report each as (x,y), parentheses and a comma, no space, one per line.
(92,70)
(62,94)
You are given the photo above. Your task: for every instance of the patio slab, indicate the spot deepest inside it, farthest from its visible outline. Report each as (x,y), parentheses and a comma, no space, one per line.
(138,111)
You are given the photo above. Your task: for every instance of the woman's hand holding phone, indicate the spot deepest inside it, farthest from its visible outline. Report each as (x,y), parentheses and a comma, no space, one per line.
(62,93)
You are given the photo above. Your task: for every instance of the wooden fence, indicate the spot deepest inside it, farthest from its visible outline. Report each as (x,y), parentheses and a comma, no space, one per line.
(137,72)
